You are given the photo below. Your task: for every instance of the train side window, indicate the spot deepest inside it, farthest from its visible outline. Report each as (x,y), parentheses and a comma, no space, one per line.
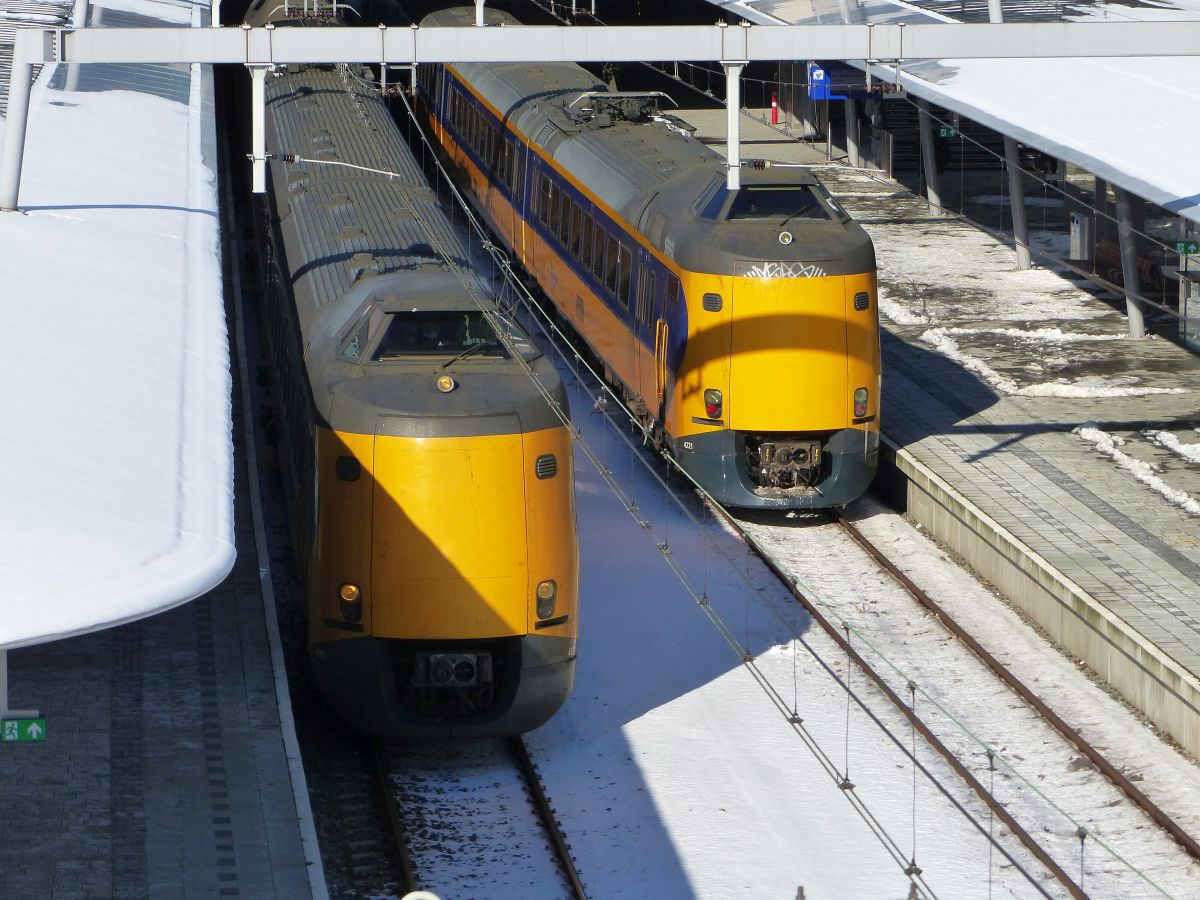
(519,169)
(650,299)
(502,170)
(585,242)
(610,272)
(645,300)
(641,293)
(553,217)
(545,193)
(575,229)
(624,275)
(564,216)
(598,257)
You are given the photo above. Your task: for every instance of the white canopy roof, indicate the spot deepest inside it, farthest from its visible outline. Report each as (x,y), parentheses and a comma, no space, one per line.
(116,492)
(1134,122)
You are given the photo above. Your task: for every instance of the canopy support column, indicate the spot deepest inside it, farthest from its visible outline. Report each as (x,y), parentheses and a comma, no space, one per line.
(852,153)
(933,190)
(258,130)
(733,117)
(5,712)
(1129,267)
(20,83)
(1016,197)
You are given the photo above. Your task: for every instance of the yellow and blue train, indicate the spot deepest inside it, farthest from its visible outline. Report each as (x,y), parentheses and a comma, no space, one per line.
(740,326)
(429,476)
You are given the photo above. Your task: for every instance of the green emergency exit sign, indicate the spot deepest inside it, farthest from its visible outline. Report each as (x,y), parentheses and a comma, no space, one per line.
(947,132)
(18,731)
(1187,247)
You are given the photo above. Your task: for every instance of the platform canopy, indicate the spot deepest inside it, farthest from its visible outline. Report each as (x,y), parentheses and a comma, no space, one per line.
(116,468)
(1135,122)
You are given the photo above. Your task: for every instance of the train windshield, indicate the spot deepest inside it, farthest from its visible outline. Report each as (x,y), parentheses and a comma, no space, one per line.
(449,333)
(777,201)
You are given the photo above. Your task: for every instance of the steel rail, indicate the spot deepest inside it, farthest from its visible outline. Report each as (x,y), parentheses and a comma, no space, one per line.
(998,809)
(541,804)
(408,875)
(1094,756)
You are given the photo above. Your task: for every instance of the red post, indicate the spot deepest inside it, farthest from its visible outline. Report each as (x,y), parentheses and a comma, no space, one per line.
(774,109)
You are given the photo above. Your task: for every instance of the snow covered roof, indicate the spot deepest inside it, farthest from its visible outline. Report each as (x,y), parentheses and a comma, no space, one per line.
(116,487)
(1134,122)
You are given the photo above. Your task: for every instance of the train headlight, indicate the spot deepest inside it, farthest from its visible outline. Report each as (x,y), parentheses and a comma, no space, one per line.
(860,403)
(547,592)
(446,384)
(351,597)
(713,403)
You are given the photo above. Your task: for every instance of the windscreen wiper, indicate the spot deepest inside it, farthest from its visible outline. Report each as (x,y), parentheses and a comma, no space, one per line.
(474,348)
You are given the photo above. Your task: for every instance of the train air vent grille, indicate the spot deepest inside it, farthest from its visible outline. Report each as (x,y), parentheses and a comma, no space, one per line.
(545,133)
(713,303)
(862,300)
(546,466)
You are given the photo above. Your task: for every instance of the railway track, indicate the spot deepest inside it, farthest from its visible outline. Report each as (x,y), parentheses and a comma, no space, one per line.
(472,819)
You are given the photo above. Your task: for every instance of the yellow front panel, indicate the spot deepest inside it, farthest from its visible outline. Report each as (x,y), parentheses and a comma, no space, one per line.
(788,355)
(341,550)
(450,555)
(553,547)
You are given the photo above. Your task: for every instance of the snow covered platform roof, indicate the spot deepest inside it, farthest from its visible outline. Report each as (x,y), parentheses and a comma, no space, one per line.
(116,473)
(1134,122)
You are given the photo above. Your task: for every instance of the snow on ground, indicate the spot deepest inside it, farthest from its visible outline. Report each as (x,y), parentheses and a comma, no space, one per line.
(118,496)
(1087,386)
(677,774)
(1190,452)
(1109,445)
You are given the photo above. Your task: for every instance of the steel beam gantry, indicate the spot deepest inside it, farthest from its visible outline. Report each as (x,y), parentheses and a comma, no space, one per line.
(732,47)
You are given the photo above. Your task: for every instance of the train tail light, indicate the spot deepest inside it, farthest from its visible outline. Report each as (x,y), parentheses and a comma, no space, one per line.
(860,403)
(713,403)
(547,591)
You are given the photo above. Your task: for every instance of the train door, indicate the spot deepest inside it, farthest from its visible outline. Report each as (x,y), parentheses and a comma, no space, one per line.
(643,331)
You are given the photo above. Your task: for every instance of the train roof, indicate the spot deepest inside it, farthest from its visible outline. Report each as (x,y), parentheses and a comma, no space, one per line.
(630,151)
(364,236)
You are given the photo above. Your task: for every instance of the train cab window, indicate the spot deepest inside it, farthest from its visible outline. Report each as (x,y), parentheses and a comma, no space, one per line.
(777,201)
(673,288)
(355,344)
(715,202)
(711,191)
(436,333)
